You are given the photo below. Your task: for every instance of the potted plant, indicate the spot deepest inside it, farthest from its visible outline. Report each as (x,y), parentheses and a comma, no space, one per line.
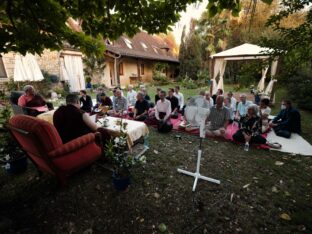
(117,151)
(11,155)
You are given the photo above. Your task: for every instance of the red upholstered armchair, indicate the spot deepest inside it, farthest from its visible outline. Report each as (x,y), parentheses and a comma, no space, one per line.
(41,141)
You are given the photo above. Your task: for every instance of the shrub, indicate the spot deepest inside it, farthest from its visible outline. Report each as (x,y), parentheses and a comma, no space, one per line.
(188,83)
(299,88)
(160,78)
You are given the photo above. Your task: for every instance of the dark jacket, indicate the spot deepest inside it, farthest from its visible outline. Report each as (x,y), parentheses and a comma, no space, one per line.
(69,123)
(174,102)
(86,104)
(289,119)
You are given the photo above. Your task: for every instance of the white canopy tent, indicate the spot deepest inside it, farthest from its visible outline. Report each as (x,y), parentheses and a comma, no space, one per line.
(26,68)
(242,52)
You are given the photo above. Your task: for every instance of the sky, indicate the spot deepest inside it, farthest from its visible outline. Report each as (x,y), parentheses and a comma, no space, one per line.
(193,11)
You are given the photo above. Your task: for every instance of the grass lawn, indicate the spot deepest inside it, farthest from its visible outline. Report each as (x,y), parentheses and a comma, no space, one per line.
(255,192)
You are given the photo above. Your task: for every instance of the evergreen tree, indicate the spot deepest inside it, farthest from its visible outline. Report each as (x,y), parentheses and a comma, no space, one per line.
(190,53)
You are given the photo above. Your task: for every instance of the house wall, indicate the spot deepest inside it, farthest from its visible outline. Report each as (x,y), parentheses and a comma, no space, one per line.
(130,69)
(50,62)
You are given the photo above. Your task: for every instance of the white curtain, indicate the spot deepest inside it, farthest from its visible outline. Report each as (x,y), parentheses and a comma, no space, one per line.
(222,70)
(274,67)
(218,65)
(72,71)
(26,68)
(261,83)
(269,88)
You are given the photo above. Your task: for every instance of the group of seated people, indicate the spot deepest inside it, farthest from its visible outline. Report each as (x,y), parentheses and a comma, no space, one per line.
(253,120)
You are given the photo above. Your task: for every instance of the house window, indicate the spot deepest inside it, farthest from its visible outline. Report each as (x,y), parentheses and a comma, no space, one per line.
(121,71)
(128,43)
(155,49)
(2,69)
(142,69)
(144,45)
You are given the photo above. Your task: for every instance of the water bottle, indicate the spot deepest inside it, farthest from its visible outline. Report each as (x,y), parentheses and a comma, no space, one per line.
(246,148)
(146,142)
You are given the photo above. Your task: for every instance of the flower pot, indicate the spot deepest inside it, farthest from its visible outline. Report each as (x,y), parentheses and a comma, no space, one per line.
(121,183)
(16,166)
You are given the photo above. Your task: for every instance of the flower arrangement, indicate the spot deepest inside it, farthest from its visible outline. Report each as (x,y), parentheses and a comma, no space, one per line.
(117,151)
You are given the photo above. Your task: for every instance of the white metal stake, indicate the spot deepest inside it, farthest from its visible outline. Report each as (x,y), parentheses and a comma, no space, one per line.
(197,174)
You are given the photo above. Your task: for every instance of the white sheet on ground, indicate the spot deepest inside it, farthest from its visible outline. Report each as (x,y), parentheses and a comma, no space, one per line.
(294,145)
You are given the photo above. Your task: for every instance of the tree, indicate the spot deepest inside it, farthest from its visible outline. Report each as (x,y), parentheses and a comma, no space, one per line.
(170,40)
(294,47)
(32,26)
(94,67)
(190,53)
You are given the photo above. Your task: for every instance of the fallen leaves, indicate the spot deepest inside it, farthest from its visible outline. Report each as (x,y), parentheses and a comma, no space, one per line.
(285,216)
(279,163)
(246,186)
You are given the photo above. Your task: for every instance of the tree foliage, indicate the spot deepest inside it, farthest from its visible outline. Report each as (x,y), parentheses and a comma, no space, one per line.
(32,26)
(190,53)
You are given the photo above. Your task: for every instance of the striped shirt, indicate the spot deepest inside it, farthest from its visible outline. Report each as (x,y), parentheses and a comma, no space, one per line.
(218,117)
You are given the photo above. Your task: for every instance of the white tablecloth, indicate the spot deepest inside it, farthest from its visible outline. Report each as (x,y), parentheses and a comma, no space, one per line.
(135,129)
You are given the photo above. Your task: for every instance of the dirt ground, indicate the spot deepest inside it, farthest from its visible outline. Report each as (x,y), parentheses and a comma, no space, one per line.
(260,192)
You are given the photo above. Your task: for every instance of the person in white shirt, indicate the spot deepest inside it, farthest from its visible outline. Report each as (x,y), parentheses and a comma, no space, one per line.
(209,99)
(131,96)
(163,112)
(179,96)
(242,107)
(233,100)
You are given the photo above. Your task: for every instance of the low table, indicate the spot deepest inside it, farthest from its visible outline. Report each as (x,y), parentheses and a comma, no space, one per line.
(135,130)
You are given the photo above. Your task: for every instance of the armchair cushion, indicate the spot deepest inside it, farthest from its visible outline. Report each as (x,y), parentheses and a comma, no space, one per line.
(72,146)
(43,134)
(75,160)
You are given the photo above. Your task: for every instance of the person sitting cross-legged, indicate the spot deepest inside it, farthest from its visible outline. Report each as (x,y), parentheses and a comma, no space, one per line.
(219,118)
(250,131)
(163,113)
(287,121)
(120,105)
(174,104)
(72,122)
(140,109)
(85,101)
(104,104)
(242,106)
(131,96)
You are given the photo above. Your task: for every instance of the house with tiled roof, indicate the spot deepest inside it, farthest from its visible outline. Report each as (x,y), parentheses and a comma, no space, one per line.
(131,60)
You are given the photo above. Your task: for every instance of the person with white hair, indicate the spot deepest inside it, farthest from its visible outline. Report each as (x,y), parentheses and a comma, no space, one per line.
(120,105)
(33,101)
(131,96)
(242,107)
(250,131)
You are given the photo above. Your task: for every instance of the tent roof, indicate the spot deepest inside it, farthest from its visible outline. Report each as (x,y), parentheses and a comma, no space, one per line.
(245,50)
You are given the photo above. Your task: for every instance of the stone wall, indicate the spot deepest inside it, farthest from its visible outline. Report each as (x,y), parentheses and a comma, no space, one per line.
(49,61)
